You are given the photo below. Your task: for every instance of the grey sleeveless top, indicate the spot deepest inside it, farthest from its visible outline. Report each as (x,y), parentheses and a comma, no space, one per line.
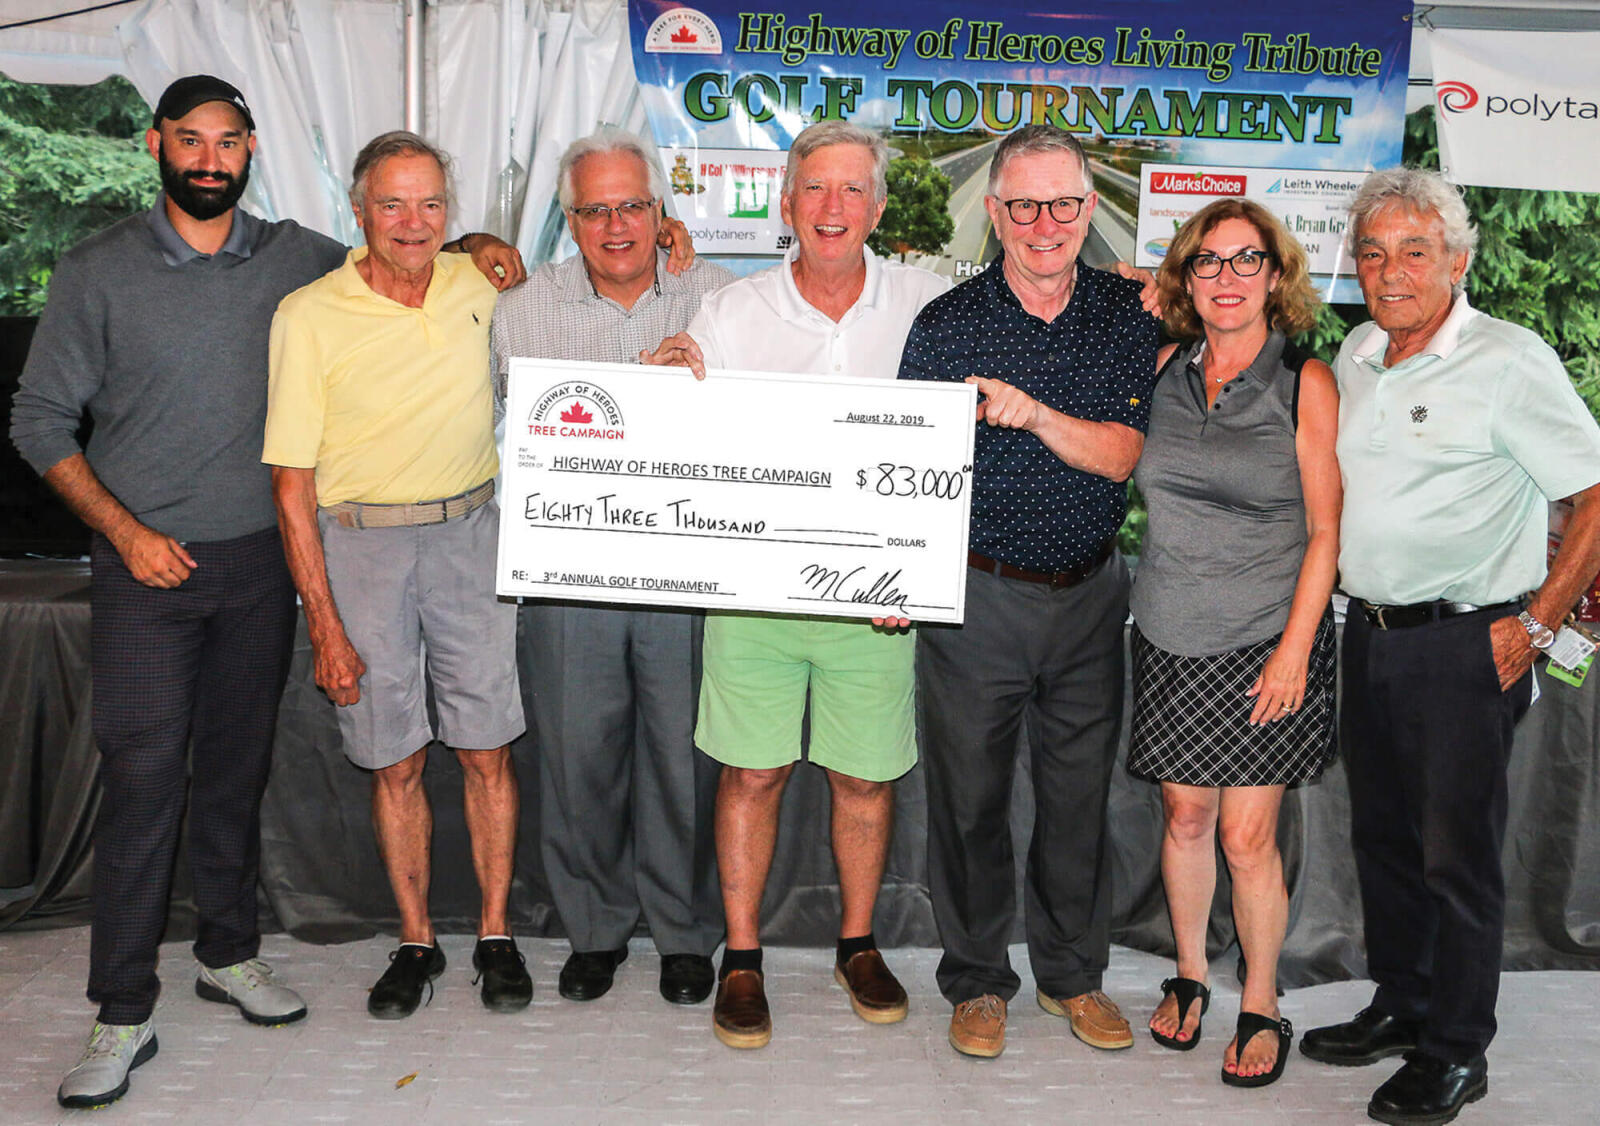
(1227,526)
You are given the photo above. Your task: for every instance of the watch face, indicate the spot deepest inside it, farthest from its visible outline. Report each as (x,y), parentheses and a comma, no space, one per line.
(1539,634)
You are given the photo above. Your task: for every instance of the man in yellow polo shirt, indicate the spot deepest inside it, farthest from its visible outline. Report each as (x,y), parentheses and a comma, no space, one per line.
(381,438)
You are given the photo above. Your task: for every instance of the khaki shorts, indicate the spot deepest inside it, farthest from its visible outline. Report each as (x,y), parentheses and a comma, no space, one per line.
(757,671)
(420,601)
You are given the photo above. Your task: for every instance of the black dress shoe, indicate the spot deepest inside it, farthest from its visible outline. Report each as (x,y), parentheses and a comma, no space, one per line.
(1370,1037)
(501,968)
(686,979)
(399,991)
(1429,1090)
(588,973)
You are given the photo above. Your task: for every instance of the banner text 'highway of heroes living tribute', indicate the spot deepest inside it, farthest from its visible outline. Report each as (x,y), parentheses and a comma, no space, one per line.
(1254,83)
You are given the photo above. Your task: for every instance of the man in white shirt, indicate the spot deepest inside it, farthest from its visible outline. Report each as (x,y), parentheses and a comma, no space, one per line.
(831,308)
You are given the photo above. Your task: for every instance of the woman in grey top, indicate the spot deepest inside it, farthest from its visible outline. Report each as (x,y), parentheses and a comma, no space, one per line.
(1234,645)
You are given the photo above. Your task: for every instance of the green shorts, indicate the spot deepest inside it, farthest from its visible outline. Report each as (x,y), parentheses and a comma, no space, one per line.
(753,694)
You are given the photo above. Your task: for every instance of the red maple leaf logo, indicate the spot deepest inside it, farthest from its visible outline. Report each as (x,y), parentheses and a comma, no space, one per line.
(576,413)
(684,35)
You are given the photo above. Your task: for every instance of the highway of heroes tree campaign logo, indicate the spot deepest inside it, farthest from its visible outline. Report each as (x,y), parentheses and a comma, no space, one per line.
(999,107)
(575,409)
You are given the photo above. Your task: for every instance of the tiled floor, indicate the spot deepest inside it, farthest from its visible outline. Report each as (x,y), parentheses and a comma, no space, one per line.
(630,1057)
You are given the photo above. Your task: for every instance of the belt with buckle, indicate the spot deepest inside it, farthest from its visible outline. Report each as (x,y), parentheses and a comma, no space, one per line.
(1423,613)
(1060,580)
(354,514)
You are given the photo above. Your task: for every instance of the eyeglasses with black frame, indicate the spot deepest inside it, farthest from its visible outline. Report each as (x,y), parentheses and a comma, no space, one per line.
(1246,264)
(628,209)
(1024,212)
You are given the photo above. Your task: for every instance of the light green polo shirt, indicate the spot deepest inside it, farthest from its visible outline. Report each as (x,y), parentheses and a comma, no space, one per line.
(1449,459)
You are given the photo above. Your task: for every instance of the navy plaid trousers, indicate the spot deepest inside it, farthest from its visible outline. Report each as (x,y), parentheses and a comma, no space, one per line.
(204,661)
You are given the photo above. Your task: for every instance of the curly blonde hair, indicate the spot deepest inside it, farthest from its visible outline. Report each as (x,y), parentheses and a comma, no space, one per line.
(1292,304)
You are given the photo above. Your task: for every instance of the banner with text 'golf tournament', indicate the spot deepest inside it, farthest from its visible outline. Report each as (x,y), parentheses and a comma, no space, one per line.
(1254,83)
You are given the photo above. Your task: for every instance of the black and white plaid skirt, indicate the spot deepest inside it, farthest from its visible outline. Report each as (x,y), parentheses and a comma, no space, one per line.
(1191,717)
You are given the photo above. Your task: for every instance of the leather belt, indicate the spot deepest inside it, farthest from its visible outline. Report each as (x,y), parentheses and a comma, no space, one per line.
(354,514)
(1060,580)
(1424,613)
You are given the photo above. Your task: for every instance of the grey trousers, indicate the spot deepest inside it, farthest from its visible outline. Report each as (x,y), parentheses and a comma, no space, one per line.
(1048,663)
(625,799)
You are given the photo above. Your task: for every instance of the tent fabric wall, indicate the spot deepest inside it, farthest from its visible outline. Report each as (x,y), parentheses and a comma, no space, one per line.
(72,50)
(510,84)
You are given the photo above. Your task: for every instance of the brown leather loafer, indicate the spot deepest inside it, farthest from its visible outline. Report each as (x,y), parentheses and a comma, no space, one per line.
(875,995)
(978,1027)
(1095,1018)
(740,1016)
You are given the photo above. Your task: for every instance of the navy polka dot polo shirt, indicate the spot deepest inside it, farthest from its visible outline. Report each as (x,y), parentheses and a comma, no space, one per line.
(1096,361)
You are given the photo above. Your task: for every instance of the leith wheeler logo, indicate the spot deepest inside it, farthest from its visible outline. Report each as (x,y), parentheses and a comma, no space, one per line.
(683,31)
(1458,98)
(574,409)
(1196,183)
(1329,185)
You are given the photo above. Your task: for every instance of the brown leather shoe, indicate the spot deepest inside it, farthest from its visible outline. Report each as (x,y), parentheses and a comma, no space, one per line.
(740,1017)
(875,995)
(1095,1018)
(978,1027)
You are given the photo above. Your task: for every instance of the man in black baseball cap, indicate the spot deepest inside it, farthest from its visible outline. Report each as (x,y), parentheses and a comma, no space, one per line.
(159,326)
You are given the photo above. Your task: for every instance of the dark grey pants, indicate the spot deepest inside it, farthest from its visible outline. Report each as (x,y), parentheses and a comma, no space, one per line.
(1048,663)
(204,661)
(625,799)
(1427,738)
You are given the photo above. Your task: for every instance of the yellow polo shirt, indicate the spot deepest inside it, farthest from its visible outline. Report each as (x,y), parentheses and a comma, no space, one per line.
(389,404)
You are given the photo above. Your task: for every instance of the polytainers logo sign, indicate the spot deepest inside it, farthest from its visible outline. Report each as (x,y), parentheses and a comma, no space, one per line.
(1196,183)
(1458,98)
(683,31)
(574,409)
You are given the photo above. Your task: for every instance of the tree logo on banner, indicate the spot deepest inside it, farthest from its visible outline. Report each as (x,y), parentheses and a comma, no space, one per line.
(1457,97)
(683,31)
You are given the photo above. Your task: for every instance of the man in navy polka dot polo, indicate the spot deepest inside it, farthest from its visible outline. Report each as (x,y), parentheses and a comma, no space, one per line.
(1064,358)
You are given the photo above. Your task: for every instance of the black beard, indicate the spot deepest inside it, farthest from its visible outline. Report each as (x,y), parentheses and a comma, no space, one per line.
(195,201)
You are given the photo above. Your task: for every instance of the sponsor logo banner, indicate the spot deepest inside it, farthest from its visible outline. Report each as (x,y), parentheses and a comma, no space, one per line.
(1314,206)
(1518,109)
(1256,83)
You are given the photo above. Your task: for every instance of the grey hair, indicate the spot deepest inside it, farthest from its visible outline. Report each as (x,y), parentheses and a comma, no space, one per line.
(1419,191)
(825,133)
(399,142)
(600,142)
(1032,139)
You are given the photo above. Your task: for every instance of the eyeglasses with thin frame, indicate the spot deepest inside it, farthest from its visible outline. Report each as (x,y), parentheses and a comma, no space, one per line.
(1245,264)
(627,210)
(1024,212)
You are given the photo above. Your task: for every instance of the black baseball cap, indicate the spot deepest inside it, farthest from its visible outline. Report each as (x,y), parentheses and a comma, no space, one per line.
(195,90)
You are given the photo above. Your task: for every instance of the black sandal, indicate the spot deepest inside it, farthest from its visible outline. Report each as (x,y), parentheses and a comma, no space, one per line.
(1185,990)
(1249,1025)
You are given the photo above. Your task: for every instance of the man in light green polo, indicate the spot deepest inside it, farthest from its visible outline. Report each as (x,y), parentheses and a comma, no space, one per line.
(1455,430)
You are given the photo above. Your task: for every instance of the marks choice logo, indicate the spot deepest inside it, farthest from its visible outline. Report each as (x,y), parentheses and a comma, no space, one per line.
(683,31)
(575,409)
(1457,97)
(1196,183)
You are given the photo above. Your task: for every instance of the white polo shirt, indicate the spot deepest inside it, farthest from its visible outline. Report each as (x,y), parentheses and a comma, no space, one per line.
(1448,460)
(761,323)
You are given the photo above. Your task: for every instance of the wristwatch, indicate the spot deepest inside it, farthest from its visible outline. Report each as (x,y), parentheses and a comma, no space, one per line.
(1539,634)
